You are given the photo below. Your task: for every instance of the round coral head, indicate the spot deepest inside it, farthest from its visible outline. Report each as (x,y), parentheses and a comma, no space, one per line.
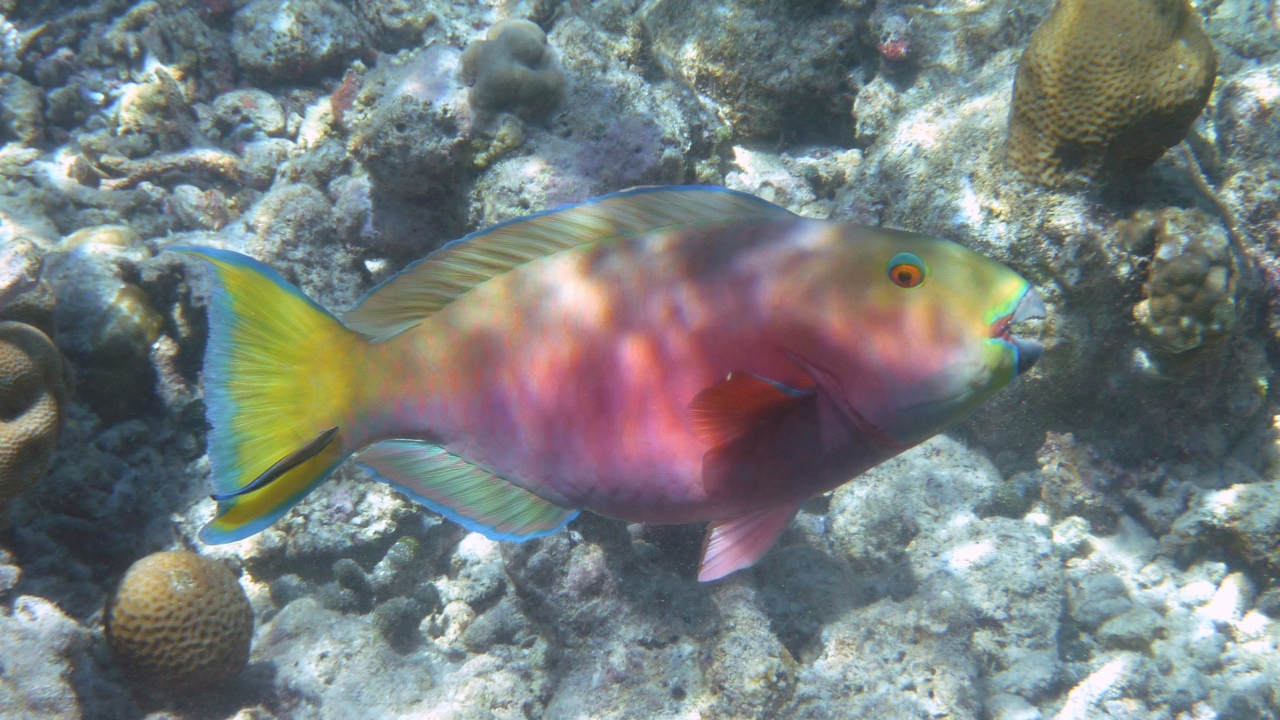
(180,621)
(32,398)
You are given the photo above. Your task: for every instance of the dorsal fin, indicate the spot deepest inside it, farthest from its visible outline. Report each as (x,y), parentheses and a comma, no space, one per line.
(429,284)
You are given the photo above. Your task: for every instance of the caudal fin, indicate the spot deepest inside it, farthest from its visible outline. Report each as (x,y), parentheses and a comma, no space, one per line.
(279,377)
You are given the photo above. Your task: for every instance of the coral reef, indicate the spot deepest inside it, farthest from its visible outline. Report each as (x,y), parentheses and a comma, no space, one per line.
(513,70)
(1099,378)
(280,40)
(1102,546)
(155,110)
(1248,28)
(1247,113)
(1091,103)
(1239,522)
(396,24)
(22,116)
(409,144)
(105,325)
(806,185)
(208,162)
(42,647)
(179,621)
(247,115)
(409,127)
(1071,485)
(1191,283)
(208,210)
(624,131)
(33,399)
(20,266)
(768,84)
(292,225)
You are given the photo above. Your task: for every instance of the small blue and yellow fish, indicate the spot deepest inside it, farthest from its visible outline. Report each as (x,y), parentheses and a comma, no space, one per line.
(660,355)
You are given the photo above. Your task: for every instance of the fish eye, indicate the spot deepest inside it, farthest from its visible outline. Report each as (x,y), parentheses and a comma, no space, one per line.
(906,270)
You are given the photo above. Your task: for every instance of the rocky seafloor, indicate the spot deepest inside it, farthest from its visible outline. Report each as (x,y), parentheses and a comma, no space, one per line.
(1101,540)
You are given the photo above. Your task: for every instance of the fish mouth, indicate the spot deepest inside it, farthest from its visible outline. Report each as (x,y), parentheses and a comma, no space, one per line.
(1030,308)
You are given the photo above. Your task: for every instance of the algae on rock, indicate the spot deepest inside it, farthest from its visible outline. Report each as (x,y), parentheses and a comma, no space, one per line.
(43,649)
(281,40)
(1241,522)
(1072,483)
(768,83)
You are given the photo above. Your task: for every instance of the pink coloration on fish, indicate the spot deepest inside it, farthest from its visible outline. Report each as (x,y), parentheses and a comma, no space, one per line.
(665,355)
(574,379)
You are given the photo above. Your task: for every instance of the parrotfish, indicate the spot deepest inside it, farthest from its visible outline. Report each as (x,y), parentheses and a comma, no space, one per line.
(658,355)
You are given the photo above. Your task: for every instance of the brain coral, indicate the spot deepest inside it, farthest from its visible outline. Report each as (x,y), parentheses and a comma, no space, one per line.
(32,396)
(513,70)
(1191,284)
(181,620)
(1105,87)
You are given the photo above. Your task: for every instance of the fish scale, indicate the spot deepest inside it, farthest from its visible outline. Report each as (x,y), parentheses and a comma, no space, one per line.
(626,382)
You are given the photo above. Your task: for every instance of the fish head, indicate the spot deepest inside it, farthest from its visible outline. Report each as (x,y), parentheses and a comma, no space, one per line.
(914,332)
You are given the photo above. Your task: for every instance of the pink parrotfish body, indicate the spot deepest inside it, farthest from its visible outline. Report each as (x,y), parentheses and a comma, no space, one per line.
(660,355)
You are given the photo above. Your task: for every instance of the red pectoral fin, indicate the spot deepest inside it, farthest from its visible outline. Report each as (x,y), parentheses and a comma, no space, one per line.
(738,404)
(732,545)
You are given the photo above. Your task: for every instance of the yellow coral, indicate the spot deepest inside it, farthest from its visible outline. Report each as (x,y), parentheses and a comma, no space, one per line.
(1105,87)
(181,620)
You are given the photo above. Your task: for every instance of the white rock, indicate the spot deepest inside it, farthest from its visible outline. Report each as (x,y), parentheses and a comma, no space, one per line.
(1011,707)
(1084,699)
(40,650)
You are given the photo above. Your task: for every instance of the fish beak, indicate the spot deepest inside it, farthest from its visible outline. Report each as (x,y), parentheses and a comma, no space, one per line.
(1031,307)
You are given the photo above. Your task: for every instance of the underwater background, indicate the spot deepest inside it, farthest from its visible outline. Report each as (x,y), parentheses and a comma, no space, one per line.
(1101,539)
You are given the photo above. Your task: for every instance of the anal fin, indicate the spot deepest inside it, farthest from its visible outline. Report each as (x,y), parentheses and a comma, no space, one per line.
(470,496)
(738,404)
(732,545)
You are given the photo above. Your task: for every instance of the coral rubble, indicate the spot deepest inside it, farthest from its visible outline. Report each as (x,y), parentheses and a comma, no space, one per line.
(281,40)
(768,84)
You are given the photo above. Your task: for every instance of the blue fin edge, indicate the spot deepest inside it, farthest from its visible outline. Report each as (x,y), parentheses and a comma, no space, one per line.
(220,409)
(451,514)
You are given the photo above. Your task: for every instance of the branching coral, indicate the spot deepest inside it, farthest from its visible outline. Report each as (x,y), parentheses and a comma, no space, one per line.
(206,161)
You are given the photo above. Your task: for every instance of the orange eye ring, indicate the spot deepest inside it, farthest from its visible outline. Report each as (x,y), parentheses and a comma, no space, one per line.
(906,270)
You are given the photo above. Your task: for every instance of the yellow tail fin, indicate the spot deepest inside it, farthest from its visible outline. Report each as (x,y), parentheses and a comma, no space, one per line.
(279,372)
